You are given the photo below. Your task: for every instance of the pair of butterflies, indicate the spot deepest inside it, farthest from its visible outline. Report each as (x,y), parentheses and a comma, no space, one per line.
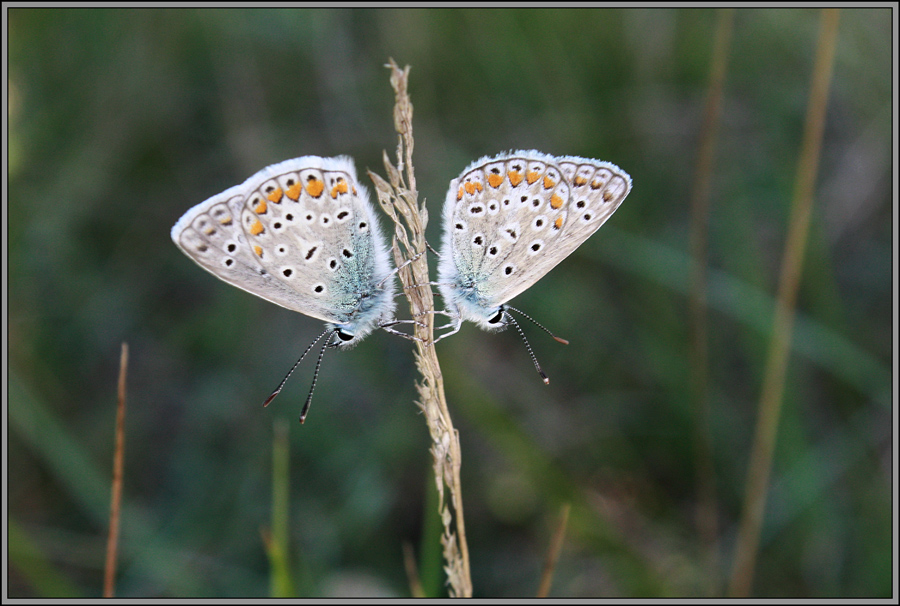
(303,234)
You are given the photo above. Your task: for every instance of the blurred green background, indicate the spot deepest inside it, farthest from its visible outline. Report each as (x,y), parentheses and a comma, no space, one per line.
(121,120)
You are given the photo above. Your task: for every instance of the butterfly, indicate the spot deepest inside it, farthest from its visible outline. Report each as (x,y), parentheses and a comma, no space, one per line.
(510,219)
(302,234)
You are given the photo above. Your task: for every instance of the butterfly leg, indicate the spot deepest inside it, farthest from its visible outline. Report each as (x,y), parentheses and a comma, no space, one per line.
(387,328)
(404,335)
(395,322)
(435,313)
(455,324)
(396,270)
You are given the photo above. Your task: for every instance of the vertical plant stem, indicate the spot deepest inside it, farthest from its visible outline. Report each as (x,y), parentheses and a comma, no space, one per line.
(112,541)
(553,553)
(399,198)
(277,546)
(776,366)
(706,515)
(412,572)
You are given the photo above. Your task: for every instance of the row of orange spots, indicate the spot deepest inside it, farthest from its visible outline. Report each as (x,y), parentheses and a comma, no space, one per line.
(470,188)
(515,177)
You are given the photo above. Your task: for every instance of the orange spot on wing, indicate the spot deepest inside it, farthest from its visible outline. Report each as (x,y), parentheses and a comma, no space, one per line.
(257,228)
(607,196)
(478,186)
(293,192)
(555,201)
(580,181)
(315,187)
(340,188)
(470,188)
(596,184)
(494,180)
(225,221)
(558,223)
(459,194)
(276,194)
(531,177)
(515,177)
(261,207)
(548,183)
(258,250)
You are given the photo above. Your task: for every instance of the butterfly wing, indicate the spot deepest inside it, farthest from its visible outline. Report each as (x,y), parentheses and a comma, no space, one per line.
(300,234)
(511,219)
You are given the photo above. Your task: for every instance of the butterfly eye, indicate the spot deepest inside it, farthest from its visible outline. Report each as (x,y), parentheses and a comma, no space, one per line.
(343,335)
(498,317)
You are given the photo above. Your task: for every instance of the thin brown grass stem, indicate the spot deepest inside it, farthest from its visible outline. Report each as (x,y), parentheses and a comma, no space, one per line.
(706,513)
(553,552)
(399,199)
(112,541)
(412,571)
(770,402)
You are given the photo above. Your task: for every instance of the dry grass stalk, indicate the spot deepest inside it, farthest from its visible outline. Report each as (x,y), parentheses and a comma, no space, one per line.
(553,552)
(706,513)
(112,542)
(412,571)
(399,199)
(772,395)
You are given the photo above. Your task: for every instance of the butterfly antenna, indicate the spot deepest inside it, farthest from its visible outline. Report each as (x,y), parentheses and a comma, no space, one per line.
(315,377)
(528,347)
(283,381)
(560,339)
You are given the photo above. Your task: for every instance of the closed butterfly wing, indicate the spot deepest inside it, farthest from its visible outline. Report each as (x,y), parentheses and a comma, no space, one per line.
(300,234)
(510,219)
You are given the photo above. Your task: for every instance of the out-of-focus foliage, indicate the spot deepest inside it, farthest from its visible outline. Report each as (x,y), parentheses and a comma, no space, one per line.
(121,120)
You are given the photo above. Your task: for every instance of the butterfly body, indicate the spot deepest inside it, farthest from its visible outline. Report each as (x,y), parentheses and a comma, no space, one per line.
(510,219)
